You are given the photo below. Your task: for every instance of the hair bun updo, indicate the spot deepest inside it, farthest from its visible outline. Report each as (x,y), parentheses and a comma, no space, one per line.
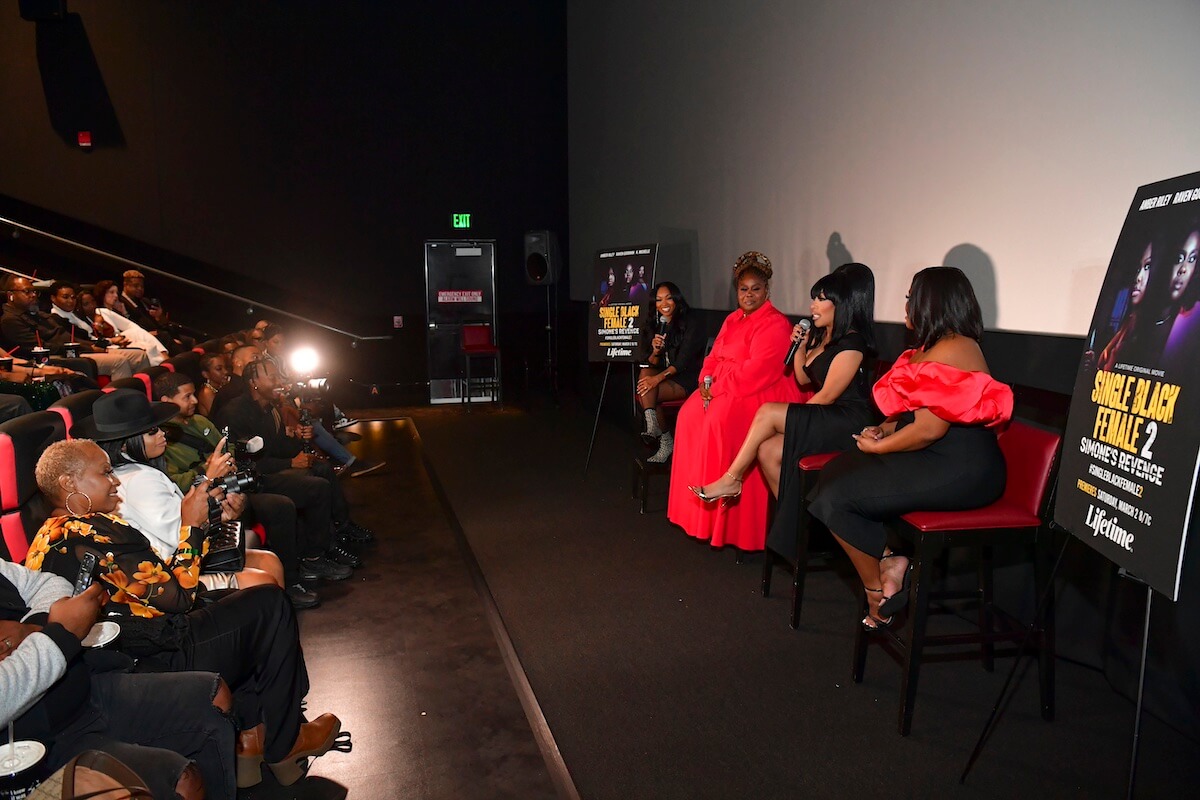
(752,260)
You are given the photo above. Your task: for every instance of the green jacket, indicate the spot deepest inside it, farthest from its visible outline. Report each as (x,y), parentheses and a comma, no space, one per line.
(184,460)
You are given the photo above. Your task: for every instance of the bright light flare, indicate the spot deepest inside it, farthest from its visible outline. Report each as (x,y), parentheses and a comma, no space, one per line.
(304,361)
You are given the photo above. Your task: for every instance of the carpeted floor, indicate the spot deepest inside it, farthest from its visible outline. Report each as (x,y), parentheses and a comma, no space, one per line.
(662,673)
(404,655)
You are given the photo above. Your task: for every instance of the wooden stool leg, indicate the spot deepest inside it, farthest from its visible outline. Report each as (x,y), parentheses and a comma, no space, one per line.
(1043,563)
(987,618)
(915,639)
(861,642)
(769,559)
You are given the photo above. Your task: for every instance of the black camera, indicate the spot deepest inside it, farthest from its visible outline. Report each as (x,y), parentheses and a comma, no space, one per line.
(242,481)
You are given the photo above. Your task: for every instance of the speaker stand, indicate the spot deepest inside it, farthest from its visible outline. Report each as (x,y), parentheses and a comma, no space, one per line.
(551,348)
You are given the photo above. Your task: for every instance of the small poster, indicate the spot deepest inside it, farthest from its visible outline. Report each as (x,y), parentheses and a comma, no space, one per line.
(623,279)
(1132,442)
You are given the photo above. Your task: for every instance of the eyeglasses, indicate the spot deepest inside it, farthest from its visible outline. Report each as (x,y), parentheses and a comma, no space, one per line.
(152,431)
(24,291)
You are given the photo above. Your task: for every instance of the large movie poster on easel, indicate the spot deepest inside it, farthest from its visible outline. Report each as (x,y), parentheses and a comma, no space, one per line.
(1132,441)
(622,280)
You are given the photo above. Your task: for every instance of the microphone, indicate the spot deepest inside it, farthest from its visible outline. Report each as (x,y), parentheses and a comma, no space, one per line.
(662,326)
(707,388)
(805,325)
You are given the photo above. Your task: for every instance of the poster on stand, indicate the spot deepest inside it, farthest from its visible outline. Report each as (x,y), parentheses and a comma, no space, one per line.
(1131,450)
(622,281)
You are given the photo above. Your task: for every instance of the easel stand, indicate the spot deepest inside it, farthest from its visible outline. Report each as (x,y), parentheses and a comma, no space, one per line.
(596,424)
(1137,716)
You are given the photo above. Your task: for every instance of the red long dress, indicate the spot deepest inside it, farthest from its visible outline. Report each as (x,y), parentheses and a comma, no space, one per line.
(747,368)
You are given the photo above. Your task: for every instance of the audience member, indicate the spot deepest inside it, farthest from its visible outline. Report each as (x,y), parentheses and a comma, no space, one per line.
(215,371)
(249,637)
(109,317)
(170,728)
(63,304)
(287,466)
(26,327)
(127,427)
(193,441)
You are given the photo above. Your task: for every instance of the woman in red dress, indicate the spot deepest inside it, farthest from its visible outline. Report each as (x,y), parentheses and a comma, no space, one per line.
(747,369)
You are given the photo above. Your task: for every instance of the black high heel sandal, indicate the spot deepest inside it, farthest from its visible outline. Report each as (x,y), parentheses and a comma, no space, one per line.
(892,604)
(871,623)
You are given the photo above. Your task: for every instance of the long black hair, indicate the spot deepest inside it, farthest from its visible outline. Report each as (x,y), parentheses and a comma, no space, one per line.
(851,289)
(942,301)
(132,449)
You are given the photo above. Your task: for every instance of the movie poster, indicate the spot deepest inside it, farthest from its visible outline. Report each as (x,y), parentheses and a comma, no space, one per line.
(1132,442)
(623,283)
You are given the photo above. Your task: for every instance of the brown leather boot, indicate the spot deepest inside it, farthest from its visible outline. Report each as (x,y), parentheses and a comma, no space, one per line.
(315,739)
(249,751)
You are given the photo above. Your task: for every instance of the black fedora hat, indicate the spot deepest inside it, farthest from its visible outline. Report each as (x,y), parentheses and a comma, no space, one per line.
(121,414)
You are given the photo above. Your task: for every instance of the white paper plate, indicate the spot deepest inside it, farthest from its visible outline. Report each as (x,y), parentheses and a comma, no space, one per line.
(101,634)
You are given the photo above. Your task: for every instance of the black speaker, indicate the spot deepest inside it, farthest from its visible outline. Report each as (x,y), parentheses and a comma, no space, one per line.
(541,258)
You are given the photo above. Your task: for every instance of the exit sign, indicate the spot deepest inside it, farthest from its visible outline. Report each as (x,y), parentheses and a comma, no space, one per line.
(461,220)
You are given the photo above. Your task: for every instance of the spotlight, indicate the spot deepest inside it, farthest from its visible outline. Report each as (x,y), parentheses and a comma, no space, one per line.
(304,361)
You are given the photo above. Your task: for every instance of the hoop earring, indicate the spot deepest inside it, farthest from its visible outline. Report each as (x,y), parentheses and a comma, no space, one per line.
(72,512)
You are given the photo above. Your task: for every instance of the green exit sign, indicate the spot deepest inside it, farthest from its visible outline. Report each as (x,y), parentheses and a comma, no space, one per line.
(461,220)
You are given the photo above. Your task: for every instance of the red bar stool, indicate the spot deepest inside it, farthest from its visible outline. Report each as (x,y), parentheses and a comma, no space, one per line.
(1031,456)
(810,470)
(477,343)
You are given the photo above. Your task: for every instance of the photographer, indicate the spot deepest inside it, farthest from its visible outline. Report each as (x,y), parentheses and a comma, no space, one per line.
(193,441)
(287,465)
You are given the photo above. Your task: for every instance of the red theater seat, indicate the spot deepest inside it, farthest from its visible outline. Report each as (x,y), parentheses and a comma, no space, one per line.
(22,509)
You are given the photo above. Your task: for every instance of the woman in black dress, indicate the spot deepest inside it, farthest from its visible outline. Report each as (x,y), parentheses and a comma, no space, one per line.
(674,352)
(936,450)
(833,359)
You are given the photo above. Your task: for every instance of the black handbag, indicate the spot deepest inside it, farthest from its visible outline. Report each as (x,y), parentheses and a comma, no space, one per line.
(226,549)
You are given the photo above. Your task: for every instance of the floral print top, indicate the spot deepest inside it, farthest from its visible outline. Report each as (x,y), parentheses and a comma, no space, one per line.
(133,574)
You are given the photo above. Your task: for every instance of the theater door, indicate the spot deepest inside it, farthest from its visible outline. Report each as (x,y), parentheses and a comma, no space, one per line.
(460,289)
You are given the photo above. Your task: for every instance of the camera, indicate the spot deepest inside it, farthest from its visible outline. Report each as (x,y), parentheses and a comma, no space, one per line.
(242,481)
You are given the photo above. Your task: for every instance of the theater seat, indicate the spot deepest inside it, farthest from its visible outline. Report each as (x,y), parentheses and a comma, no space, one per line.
(186,364)
(22,508)
(75,407)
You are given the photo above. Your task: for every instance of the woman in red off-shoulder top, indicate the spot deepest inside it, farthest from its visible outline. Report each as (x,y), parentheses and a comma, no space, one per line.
(936,450)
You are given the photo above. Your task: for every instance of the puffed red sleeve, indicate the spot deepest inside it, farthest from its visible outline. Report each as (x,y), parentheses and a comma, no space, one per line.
(952,394)
(762,365)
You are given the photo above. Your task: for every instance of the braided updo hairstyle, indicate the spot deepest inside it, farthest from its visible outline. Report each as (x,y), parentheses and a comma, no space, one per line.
(755,262)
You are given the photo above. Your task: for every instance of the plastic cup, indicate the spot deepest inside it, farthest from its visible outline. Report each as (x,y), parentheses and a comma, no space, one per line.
(40,355)
(17,773)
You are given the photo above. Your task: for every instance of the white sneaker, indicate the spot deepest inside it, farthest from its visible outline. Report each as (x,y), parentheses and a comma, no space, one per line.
(344,422)
(666,445)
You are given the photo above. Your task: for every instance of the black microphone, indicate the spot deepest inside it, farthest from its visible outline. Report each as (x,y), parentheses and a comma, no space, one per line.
(662,325)
(805,325)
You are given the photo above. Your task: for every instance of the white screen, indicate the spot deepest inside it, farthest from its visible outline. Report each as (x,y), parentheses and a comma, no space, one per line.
(1006,138)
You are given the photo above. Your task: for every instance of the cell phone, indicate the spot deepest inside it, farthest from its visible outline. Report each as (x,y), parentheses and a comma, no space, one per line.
(87,573)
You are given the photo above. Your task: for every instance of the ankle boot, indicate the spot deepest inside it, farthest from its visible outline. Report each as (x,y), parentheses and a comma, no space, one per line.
(315,739)
(652,432)
(249,750)
(666,445)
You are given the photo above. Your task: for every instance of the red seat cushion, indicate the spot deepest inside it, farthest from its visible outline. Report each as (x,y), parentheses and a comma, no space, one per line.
(1000,514)
(817,462)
